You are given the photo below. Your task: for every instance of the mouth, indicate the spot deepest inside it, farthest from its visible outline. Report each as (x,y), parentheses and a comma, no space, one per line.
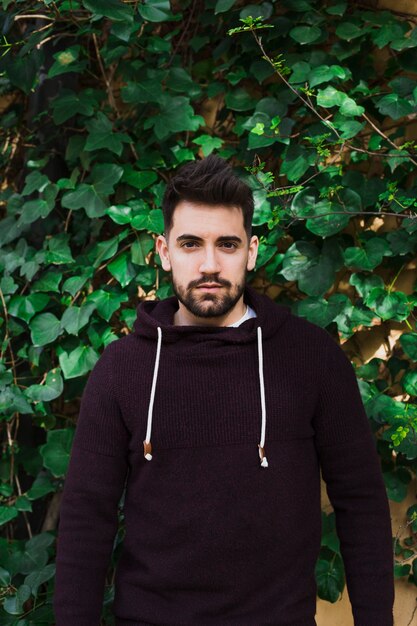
(209,287)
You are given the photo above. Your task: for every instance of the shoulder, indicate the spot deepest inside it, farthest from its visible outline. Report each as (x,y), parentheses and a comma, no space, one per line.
(117,348)
(305,330)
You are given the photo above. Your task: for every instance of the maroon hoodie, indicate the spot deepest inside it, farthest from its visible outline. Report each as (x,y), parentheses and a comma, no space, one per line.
(222,516)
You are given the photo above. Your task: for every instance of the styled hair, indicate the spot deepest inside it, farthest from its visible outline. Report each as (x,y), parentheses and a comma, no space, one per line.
(208,181)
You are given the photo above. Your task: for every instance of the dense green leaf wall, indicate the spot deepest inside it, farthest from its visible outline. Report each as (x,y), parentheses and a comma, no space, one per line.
(314,101)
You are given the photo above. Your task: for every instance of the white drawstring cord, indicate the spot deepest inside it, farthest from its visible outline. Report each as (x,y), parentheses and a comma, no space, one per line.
(147,443)
(262,456)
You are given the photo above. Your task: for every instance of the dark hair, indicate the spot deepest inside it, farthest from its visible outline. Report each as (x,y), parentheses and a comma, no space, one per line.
(210,181)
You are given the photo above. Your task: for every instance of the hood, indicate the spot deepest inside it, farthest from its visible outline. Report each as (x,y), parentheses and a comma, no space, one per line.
(152,314)
(154,320)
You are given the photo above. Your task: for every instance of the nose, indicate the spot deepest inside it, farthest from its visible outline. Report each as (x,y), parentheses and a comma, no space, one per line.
(209,263)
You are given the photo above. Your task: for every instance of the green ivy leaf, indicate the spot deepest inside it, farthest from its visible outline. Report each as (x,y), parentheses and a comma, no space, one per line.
(409,382)
(408,342)
(336,211)
(149,220)
(305,34)
(113,9)
(49,281)
(155,10)
(101,135)
(176,115)
(330,97)
(5,576)
(122,269)
(320,311)
(105,176)
(146,90)
(33,210)
(401,570)
(76,317)
(349,108)
(66,61)
(296,161)
(7,513)
(107,302)
(301,72)
(389,304)
(208,143)
(394,106)
(69,103)
(364,283)
(23,70)
(45,328)
(239,100)
(396,483)
(223,5)
(367,257)
(120,213)
(12,399)
(85,197)
(59,251)
(78,361)
(139,180)
(141,248)
(349,31)
(326,73)
(330,578)
(22,503)
(35,181)
(179,80)
(25,307)
(13,604)
(56,451)
(35,579)
(50,389)
(314,270)
(93,197)
(41,486)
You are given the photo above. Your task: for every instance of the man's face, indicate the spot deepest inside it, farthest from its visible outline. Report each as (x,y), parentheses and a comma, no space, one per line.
(208,254)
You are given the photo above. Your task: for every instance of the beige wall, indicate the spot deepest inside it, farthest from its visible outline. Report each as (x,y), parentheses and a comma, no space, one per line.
(408,7)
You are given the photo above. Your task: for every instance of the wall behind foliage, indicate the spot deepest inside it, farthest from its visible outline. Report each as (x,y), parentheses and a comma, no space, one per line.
(314,101)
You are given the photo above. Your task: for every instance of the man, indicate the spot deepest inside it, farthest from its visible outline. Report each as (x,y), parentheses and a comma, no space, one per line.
(217,412)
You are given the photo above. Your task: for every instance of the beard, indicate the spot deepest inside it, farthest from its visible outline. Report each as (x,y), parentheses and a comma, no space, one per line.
(205,304)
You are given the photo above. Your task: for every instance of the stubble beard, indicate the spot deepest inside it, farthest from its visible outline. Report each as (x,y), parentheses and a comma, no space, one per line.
(204,304)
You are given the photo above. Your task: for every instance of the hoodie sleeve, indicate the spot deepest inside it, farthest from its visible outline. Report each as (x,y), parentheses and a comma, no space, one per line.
(89,506)
(351,469)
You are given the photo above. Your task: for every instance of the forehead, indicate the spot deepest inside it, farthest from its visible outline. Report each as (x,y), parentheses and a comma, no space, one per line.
(207,217)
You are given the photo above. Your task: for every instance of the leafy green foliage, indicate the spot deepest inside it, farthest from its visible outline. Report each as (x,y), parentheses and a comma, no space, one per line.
(313,100)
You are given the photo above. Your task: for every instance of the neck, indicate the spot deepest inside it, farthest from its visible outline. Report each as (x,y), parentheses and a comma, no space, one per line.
(183,317)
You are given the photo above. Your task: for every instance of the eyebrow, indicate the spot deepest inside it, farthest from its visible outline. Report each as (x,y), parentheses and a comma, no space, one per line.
(218,240)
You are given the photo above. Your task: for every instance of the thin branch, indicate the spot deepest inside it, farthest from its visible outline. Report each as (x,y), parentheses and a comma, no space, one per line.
(184,32)
(382,134)
(411,216)
(39,16)
(308,104)
(297,93)
(110,95)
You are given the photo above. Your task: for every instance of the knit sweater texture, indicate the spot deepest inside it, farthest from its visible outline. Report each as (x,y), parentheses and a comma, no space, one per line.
(213,537)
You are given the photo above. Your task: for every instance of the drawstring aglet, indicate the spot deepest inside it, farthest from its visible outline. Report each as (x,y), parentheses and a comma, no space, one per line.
(264,462)
(147,448)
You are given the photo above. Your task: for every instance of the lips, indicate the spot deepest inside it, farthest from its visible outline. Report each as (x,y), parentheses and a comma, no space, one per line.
(209,286)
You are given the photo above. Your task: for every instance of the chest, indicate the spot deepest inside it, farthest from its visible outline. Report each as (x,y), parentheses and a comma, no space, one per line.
(215,398)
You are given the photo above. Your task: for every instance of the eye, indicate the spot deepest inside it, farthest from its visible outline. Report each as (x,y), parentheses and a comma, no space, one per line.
(229,243)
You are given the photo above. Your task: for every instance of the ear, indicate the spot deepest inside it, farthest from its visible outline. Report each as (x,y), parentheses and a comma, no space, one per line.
(253,253)
(161,246)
